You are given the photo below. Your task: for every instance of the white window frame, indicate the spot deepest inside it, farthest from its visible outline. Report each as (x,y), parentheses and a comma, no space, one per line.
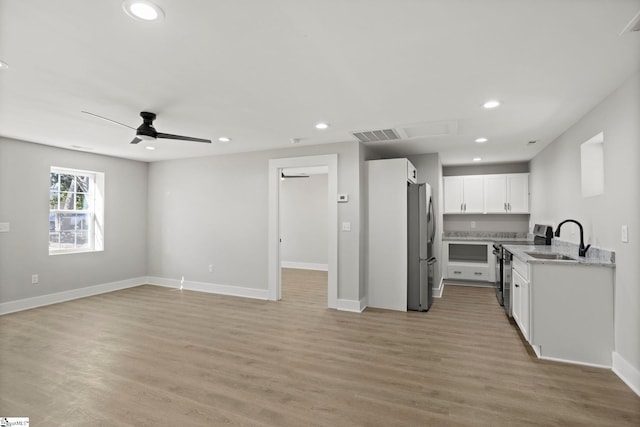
(95,212)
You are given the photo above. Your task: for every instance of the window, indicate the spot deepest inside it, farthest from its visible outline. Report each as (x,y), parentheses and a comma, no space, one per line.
(75,211)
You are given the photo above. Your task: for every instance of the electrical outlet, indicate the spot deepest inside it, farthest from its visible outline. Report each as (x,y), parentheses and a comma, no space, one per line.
(34,278)
(473,224)
(210,268)
(625,234)
(346,226)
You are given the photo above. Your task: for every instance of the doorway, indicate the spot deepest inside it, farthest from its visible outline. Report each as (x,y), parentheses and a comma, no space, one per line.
(276,168)
(303,235)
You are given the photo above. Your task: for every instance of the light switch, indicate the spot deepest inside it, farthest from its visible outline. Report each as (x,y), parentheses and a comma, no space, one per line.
(4,227)
(343,198)
(346,226)
(625,234)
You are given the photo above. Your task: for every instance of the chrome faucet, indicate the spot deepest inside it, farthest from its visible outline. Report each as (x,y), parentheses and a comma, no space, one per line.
(582,250)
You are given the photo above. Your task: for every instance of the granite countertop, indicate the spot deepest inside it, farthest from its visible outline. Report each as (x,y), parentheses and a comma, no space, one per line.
(595,256)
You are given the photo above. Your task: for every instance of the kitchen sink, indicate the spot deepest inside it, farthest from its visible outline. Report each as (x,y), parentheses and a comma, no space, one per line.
(551,256)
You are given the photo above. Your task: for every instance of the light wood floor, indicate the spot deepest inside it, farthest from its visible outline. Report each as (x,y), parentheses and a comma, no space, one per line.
(151,356)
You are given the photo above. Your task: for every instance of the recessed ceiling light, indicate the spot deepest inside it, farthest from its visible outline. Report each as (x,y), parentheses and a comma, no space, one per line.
(149,147)
(477,159)
(481,140)
(491,104)
(143,10)
(321,126)
(3,65)
(224,139)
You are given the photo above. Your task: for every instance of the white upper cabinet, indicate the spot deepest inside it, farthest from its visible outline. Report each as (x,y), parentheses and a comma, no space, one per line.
(453,194)
(464,194)
(498,193)
(518,193)
(473,194)
(495,200)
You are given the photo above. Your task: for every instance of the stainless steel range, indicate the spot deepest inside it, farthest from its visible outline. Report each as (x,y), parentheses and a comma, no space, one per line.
(542,235)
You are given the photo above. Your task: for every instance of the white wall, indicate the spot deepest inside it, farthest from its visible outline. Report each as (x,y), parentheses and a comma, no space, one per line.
(556,195)
(303,220)
(24,195)
(215,210)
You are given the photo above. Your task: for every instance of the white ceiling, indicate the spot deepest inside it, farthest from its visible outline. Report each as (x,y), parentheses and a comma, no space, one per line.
(264,72)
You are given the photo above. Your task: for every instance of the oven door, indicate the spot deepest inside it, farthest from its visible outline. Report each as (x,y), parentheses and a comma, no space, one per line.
(506,281)
(497,252)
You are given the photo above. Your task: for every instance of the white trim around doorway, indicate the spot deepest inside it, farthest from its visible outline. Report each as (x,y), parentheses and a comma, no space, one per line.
(275,169)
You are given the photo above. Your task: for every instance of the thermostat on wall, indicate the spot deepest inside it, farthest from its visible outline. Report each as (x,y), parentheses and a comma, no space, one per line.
(343,198)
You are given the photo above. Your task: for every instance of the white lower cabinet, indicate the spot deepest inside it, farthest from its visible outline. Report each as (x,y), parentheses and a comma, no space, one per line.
(468,272)
(565,310)
(469,260)
(520,303)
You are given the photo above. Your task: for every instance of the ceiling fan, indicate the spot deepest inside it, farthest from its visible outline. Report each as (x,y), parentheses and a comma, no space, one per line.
(283,176)
(146,131)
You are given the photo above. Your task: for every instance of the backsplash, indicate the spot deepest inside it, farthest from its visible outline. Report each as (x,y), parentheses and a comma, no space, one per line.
(488,235)
(486,222)
(596,254)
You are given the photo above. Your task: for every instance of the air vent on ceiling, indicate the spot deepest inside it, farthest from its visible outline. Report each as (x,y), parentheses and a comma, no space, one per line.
(633,25)
(377,135)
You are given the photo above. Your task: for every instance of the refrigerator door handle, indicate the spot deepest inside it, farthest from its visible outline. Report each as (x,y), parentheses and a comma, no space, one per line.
(432,260)
(432,219)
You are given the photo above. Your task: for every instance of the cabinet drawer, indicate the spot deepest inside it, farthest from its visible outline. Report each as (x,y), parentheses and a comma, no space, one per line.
(467,272)
(521,267)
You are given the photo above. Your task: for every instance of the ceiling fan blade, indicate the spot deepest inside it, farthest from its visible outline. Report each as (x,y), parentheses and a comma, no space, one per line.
(109,120)
(282,175)
(182,138)
(136,140)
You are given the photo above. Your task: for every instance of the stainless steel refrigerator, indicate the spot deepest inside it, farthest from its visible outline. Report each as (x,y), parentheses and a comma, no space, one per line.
(421,224)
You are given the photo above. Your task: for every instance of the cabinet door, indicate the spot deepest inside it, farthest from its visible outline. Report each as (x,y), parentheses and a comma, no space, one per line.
(453,194)
(525,314)
(518,193)
(495,197)
(473,194)
(515,297)
(521,303)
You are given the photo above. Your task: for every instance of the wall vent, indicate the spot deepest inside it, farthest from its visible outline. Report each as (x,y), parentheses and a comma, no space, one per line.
(633,25)
(377,135)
